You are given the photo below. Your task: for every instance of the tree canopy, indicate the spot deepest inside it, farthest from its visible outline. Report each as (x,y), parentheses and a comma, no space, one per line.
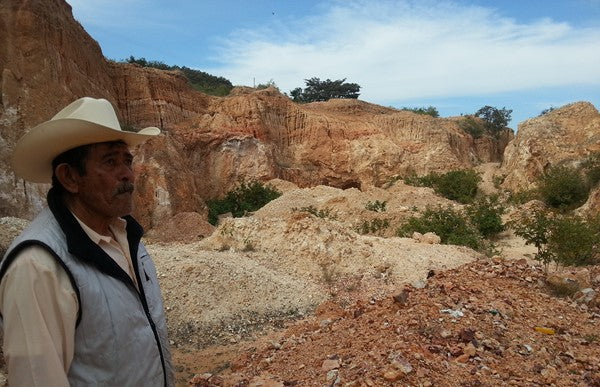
(496,119)
(317,90)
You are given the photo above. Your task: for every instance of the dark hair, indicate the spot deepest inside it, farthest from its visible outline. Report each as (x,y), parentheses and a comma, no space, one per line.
(75,158)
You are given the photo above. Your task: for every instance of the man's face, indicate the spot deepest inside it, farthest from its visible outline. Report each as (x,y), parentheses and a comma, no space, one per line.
(106,188)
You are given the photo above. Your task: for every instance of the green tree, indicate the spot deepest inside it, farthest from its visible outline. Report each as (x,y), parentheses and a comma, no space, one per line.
(317,90)
(496,119)
(566,240)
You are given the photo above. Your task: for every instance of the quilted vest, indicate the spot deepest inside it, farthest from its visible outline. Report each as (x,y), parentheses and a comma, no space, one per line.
(121,333)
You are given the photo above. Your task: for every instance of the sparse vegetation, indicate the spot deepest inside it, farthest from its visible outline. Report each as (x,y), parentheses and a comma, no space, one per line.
(199,80)
(247,197)
(373,226)
(476,128)
(271,83)
(546,111)
(376,206)
(429,111)
(324,213)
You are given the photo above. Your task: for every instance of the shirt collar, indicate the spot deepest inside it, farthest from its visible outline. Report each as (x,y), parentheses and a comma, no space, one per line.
(118,226)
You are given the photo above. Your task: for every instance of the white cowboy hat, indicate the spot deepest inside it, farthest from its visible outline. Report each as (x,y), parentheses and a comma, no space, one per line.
(85,121)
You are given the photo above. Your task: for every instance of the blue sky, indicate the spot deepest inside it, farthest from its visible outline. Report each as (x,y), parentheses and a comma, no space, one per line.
(525,55)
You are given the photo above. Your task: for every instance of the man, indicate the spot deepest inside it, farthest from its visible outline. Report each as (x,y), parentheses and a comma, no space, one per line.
(80,302)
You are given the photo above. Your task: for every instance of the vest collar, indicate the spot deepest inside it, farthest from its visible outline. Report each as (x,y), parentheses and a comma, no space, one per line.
(80,245)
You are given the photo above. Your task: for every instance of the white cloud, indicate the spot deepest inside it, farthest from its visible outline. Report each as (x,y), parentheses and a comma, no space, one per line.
(400,50)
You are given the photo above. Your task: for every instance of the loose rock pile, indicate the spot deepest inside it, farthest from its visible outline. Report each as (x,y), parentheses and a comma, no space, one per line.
(490,322)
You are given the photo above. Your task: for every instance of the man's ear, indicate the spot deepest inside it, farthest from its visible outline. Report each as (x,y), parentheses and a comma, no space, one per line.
(68,177)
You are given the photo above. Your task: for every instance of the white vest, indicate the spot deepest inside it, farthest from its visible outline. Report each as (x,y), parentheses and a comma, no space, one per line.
(121,334)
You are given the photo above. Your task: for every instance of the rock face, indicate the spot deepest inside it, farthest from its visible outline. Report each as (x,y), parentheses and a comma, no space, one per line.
(210,144)
(567,135)
(341,143)
(48,60)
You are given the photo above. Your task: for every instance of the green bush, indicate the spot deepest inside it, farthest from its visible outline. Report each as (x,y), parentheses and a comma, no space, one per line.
(458,185)
(451,226)
(563,187)
(247,197)
(486,215)
(566,240)
(574,241)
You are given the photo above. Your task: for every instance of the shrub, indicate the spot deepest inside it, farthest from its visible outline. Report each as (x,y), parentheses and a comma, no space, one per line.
(458,185)
(566,240)
(373,226)
(486,215)
(564,188)
(451,226)
(472,126)
(574,241)
(535,229)
(523,197)
(376,206)
(325,213)
(422,181)
(429,111)
(247,197)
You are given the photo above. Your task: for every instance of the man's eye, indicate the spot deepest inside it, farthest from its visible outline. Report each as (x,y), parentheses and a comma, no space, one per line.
(110,162)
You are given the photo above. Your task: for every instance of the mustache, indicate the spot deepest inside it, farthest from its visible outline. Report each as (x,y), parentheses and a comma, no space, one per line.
(124,187)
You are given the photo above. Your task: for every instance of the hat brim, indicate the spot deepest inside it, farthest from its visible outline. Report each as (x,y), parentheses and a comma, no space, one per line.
(33,154)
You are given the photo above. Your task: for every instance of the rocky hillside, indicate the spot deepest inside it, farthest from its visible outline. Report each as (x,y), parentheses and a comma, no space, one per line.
(565,135)
(210,143)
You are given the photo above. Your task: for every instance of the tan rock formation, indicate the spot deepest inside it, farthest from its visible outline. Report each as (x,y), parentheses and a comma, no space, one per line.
(342,143)
(567,134)
(210,143)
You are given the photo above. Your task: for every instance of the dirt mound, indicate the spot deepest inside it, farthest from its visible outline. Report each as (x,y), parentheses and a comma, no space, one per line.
(485,323)
(252,272)
(183,227)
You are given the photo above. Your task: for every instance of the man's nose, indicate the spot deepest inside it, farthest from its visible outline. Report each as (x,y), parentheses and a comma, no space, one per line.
(126,172)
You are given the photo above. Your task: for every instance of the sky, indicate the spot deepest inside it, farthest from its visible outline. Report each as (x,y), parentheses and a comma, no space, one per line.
(455,55)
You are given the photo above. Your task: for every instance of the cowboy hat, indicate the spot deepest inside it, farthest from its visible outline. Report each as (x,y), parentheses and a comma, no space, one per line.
(85,121)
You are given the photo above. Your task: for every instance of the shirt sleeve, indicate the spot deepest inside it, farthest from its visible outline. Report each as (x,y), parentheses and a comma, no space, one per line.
(39,310)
